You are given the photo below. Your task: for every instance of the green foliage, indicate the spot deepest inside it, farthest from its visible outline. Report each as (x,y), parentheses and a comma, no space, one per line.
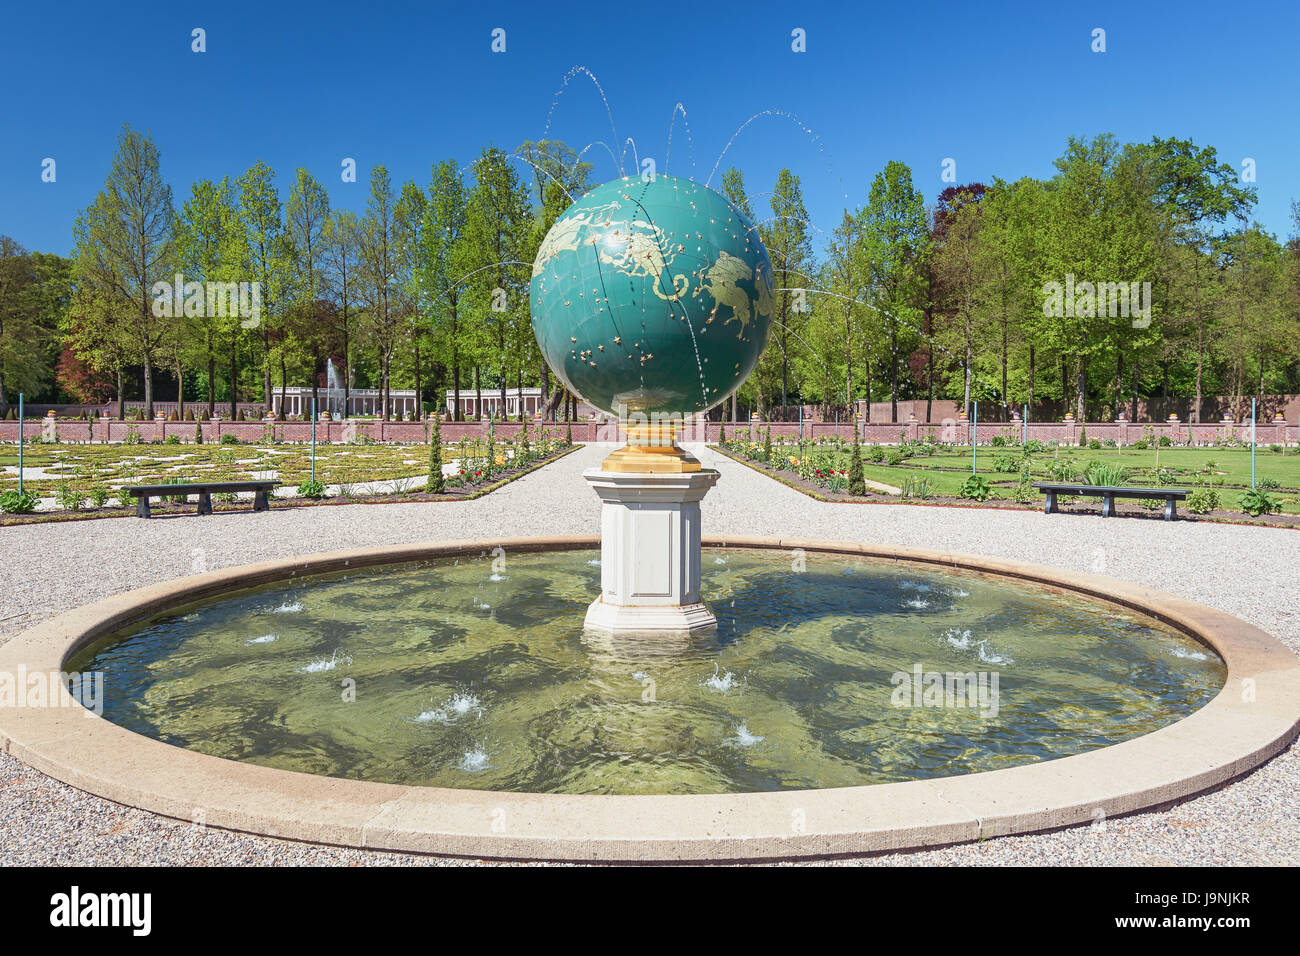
(1258,501)
(172,440)
(917,486)
(311,489)
(1203,500)
(198,433)
(99,495)
(975,488)
(1033,446)
(436,483)
(1104,473)
(229,439)
(69,496)
(13,502)
(857,483)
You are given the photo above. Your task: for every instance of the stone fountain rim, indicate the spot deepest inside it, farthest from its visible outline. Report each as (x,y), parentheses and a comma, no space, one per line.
(1254,716)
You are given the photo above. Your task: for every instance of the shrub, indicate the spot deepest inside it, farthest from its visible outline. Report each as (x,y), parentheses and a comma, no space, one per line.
(1004,463)
(877,454)
(857,483)
(975,488)
(99,495)
(1032,446)
(198,433)
(229,439)
(1083,435)
(1257,501)
(1142,444)
(1165,441)
(998,441)
(894,457)
(1093,443)
(1275,449)
(1202,500)
(132,435)
(311,489)
(436,483)
(1060,469)
(1025,492)
(1269,483)
(172,440)
(69,496)
(17,503)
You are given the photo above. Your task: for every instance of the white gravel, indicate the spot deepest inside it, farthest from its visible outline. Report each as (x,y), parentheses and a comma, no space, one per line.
(1246,571)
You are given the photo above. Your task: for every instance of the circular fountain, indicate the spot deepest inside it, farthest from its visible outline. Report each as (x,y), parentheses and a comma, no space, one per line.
(652,300)
(722,698)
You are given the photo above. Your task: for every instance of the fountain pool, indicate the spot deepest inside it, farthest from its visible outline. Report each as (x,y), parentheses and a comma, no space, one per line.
(474,672)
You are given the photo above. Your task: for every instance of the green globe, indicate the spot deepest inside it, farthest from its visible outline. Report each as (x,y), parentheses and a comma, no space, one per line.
(652,297)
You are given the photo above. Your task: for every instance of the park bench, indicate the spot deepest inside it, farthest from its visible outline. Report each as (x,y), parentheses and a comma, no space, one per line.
(1108,494)
(205,490)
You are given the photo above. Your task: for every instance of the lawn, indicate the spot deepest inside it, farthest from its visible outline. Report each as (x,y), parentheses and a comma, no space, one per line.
(945,468)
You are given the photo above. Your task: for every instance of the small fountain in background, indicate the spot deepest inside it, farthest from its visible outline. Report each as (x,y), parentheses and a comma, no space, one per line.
(333,391)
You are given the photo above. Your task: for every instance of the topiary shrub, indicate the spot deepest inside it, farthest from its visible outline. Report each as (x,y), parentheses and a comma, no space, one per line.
(857,482)
(436,483)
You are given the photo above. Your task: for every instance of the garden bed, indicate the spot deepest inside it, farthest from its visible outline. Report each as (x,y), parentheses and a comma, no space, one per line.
(467,492)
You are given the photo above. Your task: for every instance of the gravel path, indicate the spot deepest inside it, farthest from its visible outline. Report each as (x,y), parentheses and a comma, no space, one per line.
(1246,571)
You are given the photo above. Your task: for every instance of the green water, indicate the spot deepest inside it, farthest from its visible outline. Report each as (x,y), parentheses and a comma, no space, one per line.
(459,673)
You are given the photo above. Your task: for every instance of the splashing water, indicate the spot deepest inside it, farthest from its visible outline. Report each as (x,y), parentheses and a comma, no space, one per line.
(720,682)
(456,706)
(294,607)
(474,760)
(264,639)
(322,664)
(743,737)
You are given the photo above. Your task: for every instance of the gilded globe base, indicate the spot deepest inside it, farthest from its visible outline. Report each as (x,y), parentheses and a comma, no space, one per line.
(651,449)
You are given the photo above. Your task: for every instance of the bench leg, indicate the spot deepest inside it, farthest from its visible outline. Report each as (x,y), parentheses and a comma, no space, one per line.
(205,502)
(1108,506)
(142,506)
(259,501)
(1170,509)
(1049,507)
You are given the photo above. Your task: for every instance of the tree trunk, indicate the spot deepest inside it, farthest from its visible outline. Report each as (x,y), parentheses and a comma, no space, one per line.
(1133,415)
(180,391)
(148,387)
(234,379)
(121,396)
(1081,400)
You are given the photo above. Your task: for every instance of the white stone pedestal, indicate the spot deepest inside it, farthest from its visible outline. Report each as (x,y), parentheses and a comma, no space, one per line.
(649,552)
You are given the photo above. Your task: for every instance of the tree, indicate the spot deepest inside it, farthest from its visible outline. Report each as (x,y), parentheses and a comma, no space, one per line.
(264,256)
(124,245)
(442,264)
(896,235)
(203,231)
(306,214)
(341,236)
(35,289)
(1195,193)
(790,251)
(378,260)
(497,226)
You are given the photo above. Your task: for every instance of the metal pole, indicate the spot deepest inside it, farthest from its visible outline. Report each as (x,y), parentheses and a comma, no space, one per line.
(20,443)
(1252,442)
(313,441)
(1024,424)
(975,439)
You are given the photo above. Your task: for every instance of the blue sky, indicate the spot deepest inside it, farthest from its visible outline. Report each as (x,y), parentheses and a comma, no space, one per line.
(995,86)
